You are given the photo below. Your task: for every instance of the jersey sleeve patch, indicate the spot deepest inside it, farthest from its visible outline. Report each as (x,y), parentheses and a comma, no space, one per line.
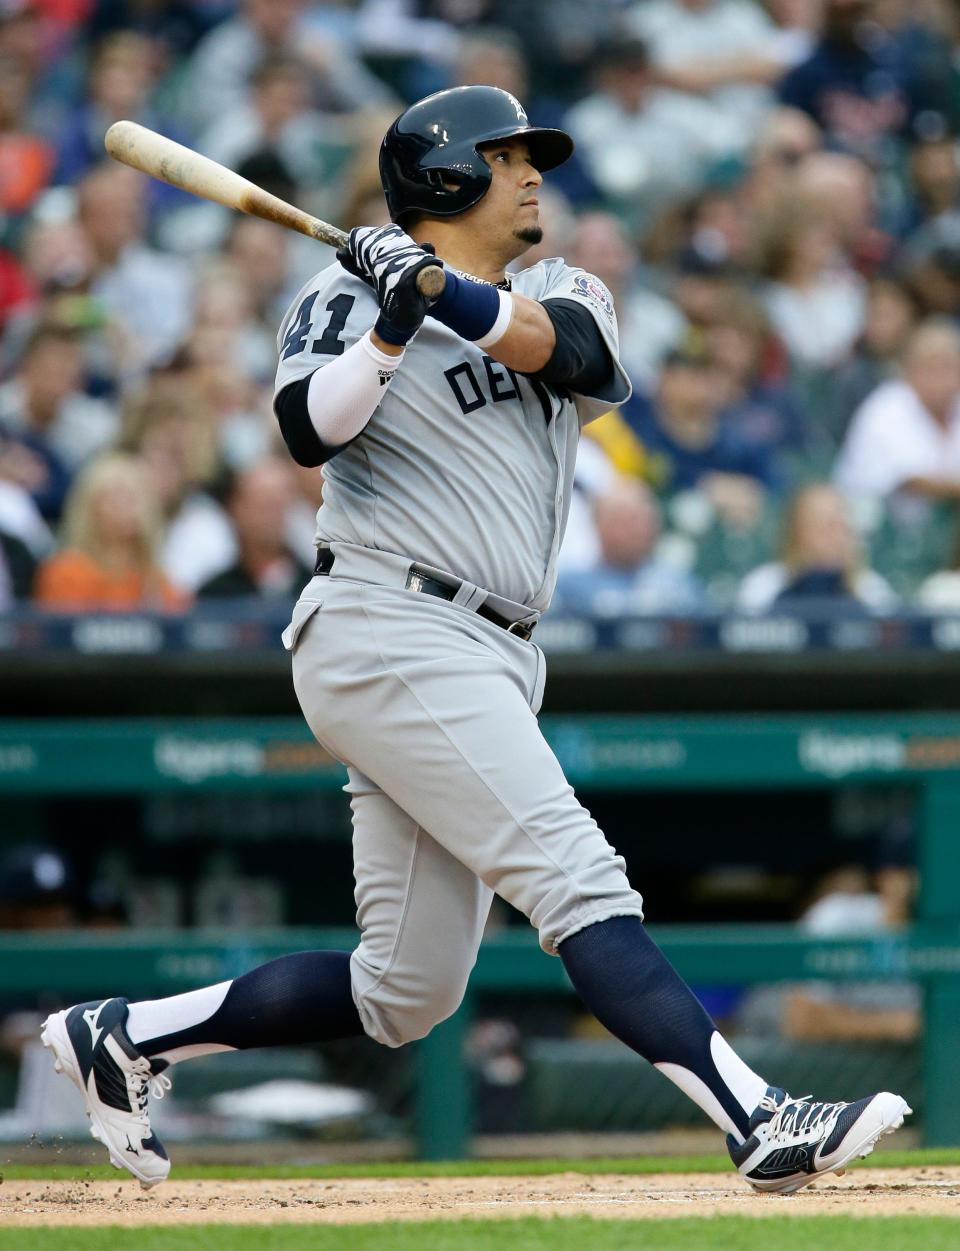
(592,289)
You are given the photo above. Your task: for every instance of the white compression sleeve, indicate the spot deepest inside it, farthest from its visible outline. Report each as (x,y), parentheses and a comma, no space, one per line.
(342,396)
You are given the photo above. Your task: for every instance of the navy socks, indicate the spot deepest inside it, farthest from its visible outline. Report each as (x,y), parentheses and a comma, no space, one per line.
(632,989)
(298,999)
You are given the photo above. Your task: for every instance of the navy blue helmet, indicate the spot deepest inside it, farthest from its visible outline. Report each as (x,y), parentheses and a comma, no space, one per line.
(430,160)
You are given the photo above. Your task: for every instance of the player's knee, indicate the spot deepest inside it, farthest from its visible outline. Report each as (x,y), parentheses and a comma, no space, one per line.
(401,1009)
(596,890)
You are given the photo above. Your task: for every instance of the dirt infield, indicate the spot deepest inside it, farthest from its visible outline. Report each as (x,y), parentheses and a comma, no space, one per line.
(876,1192)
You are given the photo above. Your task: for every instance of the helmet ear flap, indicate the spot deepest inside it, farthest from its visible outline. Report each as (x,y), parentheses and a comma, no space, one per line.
(442,180)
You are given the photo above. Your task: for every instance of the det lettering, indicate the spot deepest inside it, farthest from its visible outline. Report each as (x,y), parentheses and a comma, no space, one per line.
(501,384)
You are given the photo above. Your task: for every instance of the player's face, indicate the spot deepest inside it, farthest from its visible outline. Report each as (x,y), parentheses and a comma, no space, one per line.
(510,210)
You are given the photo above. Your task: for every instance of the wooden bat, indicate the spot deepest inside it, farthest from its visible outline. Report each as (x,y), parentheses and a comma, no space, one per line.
(171,162)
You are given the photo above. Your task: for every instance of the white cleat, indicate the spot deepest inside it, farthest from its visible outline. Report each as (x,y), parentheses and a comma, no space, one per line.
(792,1142)
(90,1045)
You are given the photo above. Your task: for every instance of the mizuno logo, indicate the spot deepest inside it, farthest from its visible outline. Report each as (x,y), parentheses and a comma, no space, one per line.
(92,1017)
(130,1147)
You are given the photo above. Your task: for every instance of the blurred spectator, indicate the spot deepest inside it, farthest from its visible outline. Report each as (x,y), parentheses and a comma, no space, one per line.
(820,559)
(630,576)
(175,25)
(594,473)
(906,435)
(17,569)
(929,263)
(279,117)
(851,901)
(258,504)
(786,138)
(814,299)
(840,189)
(112,533)
(261,253)
(704,284)
(934,173)
(302,512)
(689,444)
(225,301)
(20,518)
(644,146)
(748,362)
(891,318)
(225,60)
(649,324)
(123,71)
(147,293)
(26,161)
(17,291)
(48,427)
(729,50)
(60,262)
(170,428)
(854,84)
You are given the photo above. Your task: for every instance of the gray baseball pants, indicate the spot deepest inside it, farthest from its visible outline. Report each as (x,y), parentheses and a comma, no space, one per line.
(454,791)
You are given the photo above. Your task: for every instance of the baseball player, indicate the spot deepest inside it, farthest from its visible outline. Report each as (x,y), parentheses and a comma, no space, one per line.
(448,436)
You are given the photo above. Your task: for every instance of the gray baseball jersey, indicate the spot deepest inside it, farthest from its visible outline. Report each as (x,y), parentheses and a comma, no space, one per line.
(466,465)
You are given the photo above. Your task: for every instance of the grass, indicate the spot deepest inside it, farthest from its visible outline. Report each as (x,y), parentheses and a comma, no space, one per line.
(718,1233)
(932,1156)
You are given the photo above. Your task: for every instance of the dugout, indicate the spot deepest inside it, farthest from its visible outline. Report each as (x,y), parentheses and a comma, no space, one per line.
(748,772)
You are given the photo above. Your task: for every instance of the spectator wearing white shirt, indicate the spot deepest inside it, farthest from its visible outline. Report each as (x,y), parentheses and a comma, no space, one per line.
(645,147)
(224,61)
(148,294)
(814,298)
(906,435)
(729,50)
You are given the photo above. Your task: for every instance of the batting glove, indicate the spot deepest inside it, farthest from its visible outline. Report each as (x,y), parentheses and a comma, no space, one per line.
(390,261)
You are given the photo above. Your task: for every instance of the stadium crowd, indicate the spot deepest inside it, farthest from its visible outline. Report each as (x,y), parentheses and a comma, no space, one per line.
(770,191)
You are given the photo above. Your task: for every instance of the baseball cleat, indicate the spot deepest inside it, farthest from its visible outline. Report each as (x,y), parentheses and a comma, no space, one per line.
(90,1044)
(793,1141)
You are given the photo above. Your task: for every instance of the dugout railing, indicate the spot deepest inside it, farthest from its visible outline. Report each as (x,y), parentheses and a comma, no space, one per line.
(616,752)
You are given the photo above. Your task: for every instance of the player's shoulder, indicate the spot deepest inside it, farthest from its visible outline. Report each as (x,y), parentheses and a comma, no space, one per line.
(541,275)
(554,279)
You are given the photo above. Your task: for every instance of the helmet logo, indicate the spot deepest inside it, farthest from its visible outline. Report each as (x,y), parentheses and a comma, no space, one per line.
(521,115)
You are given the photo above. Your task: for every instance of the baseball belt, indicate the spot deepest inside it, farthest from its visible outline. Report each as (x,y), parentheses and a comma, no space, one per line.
(418,579)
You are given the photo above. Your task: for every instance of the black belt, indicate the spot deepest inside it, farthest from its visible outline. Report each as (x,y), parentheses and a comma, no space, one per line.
(419,580)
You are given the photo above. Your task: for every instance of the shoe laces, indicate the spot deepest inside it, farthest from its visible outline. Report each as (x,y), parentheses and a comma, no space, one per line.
(797,1116)
(142,1082)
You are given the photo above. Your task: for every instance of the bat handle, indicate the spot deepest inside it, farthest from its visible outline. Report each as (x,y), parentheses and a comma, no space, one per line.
(430,282)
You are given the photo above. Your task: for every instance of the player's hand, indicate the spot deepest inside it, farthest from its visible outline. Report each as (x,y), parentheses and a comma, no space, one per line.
(390,261)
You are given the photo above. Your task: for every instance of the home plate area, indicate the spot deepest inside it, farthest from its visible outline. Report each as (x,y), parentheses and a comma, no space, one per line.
(927,1190)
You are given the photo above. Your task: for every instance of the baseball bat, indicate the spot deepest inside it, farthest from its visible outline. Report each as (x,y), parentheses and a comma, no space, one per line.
(145,150)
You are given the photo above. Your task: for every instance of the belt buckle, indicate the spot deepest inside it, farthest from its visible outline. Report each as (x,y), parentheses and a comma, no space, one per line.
(522,629)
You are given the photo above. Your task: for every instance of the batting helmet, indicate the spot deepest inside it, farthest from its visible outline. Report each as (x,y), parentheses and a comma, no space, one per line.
(429,158)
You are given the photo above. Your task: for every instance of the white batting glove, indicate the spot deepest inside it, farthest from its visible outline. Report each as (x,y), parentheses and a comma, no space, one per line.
(389,261)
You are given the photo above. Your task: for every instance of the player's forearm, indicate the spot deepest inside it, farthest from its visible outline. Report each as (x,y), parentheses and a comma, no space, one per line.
(514,329)
(529,340)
